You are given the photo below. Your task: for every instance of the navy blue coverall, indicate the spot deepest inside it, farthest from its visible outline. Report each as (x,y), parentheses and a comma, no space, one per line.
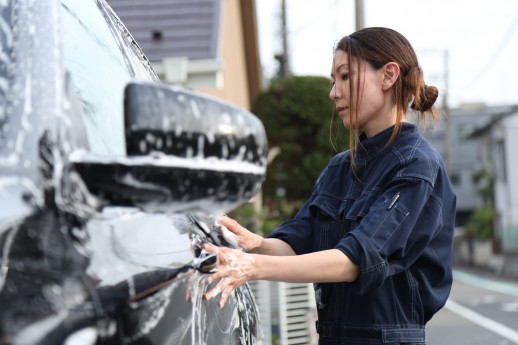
(393,215)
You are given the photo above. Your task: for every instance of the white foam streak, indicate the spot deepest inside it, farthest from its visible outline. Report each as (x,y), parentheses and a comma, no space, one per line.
(4,264)
(162,160)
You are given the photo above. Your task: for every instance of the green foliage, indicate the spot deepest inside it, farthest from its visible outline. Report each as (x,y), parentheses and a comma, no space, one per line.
(265,221)
(247,216)
(297,113)
(481,223)
(485,182)
(299,119)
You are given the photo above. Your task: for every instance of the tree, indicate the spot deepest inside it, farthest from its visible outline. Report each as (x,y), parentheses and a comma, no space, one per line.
(481,222)
(299,119)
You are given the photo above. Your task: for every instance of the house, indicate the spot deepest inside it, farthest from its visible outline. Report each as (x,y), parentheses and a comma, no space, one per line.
(210,46)
(499,137)
(462,152)
(478,139)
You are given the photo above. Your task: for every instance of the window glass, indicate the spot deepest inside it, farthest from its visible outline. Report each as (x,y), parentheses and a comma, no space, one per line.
(455,179)
(101,63)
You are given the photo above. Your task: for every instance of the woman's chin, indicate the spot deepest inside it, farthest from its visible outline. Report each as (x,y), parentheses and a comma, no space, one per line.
(347,123)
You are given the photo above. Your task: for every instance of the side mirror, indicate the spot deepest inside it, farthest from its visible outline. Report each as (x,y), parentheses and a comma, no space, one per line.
(185,151)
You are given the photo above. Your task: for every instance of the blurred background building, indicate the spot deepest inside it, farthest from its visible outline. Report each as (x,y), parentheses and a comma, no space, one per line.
(477,143)
(207,45)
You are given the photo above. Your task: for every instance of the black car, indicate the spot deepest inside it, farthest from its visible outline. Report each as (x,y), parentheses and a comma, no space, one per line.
(110,183)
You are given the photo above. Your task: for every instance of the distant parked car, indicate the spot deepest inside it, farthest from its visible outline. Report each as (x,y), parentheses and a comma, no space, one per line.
(109,185)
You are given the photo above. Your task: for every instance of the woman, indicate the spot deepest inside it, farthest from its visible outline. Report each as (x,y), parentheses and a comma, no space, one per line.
(376,235)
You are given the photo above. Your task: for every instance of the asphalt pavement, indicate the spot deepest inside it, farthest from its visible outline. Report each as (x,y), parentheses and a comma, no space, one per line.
(482,310)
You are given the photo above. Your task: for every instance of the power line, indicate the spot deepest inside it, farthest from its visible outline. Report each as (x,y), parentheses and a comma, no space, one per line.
(317,18)
(496,53)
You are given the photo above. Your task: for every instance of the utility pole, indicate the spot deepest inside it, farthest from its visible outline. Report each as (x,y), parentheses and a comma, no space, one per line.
(446,76)
(283,57)
(359,12)
(445,109)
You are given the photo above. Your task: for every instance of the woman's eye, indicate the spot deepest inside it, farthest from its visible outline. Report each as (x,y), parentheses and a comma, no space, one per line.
(345,76)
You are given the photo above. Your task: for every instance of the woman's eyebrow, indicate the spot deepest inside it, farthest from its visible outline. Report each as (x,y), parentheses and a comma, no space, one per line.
(338,68)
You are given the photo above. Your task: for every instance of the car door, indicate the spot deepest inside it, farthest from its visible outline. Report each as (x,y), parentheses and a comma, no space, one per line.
(129,246)
(87,253)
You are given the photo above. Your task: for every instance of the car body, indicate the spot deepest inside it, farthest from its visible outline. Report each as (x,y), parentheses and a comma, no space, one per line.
(110,183)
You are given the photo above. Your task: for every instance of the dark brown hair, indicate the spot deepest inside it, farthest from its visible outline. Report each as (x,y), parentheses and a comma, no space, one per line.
(379,46)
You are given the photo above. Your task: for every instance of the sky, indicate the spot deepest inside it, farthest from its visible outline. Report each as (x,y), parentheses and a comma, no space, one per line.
(467,48)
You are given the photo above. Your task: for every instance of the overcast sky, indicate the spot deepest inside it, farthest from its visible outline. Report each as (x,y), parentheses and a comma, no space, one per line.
(480,37)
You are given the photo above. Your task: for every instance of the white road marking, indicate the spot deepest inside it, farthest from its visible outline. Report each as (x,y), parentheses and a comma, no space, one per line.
(510,307)
(482,321)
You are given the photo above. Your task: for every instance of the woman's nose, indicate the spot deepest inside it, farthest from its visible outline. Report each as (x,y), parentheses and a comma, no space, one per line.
(334,94)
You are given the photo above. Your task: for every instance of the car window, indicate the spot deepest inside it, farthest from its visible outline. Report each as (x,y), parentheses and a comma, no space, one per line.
(101,58)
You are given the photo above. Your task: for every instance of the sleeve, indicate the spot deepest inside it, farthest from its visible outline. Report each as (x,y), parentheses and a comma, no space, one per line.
(298,232)
(393,233)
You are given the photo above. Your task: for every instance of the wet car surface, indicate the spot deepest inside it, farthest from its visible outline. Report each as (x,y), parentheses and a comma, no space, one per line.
(109,185)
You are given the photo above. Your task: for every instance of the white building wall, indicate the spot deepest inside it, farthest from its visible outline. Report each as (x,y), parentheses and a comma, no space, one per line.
(511,231)
(505,155)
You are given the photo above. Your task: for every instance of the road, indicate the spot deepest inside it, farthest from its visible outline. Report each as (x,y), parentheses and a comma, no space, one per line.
(482,310)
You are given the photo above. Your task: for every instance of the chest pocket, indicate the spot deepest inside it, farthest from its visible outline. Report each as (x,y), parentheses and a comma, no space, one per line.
(359,209)
(328,222)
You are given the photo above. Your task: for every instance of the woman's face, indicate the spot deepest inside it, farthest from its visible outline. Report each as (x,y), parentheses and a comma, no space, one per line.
(373,106)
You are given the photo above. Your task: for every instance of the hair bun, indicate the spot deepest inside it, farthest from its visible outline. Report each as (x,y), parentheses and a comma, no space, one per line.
(426,99)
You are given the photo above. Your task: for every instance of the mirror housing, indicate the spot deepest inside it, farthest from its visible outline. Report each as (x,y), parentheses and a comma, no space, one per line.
(185,151)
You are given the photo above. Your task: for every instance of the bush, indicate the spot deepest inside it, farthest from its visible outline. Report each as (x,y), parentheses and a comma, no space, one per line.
(297,114)
(300,121)
(481,223)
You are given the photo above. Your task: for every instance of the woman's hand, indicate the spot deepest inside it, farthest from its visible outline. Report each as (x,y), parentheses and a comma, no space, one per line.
(246,239)
(234,268)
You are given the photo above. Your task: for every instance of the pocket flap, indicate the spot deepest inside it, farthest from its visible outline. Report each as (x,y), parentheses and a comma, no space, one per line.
(359,208)
(328,206)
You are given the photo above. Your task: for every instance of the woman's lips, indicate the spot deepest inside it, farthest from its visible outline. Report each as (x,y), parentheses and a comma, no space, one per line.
(340,109)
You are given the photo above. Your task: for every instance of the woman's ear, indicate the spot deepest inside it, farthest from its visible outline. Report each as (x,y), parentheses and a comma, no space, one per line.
(390,74)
